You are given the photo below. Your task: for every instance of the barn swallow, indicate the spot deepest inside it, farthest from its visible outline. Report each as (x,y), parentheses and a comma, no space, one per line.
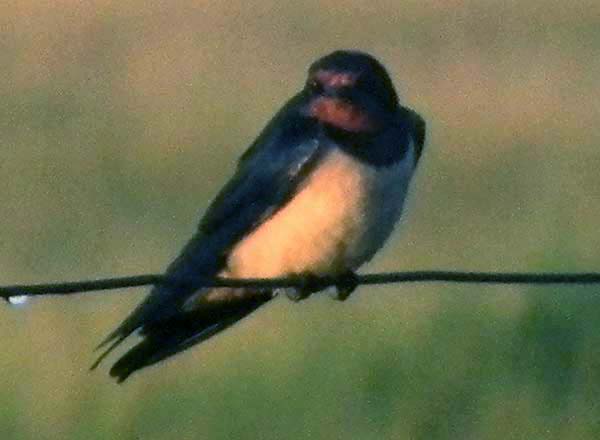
(316,194)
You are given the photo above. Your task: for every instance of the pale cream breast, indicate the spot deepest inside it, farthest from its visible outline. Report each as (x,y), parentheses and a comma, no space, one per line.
(342,214)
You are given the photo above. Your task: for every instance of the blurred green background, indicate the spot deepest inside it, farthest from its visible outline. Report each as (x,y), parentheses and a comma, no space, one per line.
(120,120)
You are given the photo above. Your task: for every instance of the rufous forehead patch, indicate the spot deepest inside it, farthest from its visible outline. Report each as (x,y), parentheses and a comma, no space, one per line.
(334,79)
(340,114)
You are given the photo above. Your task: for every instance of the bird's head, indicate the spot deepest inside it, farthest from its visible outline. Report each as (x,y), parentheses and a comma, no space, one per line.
(350,91)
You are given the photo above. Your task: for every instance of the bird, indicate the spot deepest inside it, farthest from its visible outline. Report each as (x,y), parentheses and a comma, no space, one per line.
(316,194)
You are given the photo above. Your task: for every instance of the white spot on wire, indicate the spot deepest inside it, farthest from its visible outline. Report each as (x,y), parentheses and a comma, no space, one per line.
(18,300)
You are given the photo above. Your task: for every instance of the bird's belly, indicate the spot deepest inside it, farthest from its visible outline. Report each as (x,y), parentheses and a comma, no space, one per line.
(338,220)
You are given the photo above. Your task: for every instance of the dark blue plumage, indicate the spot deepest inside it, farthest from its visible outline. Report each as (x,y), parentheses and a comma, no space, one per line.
(332,142)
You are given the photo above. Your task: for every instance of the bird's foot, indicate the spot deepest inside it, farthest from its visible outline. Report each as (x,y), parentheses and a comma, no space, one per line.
(347,284)
(296,295)
(308,284)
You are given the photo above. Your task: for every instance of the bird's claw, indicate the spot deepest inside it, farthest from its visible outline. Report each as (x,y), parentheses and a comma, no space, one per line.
(308,284)
(346,285)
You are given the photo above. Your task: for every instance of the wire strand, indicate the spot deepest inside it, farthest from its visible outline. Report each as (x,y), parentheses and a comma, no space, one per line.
(75,287)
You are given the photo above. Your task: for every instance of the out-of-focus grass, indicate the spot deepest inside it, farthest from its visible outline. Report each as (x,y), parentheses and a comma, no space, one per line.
(120,120)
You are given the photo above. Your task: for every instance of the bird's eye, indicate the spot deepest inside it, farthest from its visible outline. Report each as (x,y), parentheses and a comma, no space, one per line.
(313,85)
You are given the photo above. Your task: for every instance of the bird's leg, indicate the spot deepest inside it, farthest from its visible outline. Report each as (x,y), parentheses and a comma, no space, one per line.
(347,284)
(310,283)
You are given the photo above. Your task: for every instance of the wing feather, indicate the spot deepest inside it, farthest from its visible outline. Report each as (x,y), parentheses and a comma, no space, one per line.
(267,176)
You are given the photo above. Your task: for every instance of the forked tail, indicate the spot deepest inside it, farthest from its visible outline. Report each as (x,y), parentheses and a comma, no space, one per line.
(167,337)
